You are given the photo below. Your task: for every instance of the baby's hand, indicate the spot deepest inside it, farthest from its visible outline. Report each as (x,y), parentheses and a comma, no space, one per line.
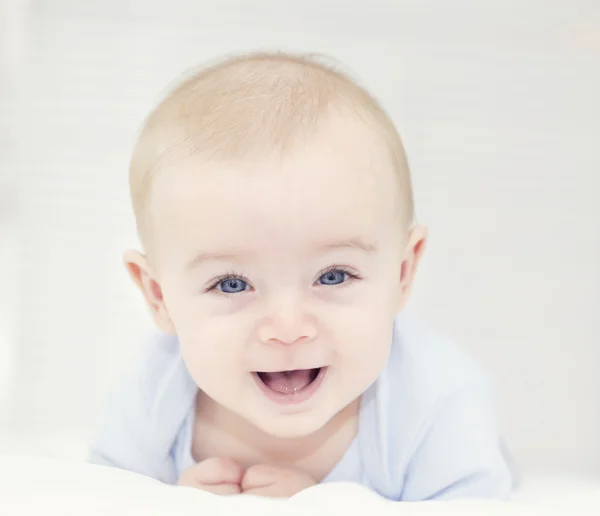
(217,475)
(274,482)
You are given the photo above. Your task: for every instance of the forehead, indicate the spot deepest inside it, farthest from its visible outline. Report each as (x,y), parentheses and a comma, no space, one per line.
(339,184)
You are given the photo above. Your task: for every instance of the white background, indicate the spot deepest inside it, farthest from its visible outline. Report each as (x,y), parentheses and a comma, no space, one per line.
(498,102)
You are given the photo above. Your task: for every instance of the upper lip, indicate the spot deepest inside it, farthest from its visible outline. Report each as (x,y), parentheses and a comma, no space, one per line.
(288,369)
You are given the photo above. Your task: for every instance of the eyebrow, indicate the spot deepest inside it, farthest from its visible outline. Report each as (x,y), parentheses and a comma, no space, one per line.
(353,243)
(211,257)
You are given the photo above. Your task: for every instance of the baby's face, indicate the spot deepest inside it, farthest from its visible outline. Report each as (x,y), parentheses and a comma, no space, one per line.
(281,277)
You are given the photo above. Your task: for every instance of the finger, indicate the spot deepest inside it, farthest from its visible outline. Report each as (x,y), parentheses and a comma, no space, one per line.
(283,489)
(260,476)
(274,482)
(218,470)
(221,489)
(270,491)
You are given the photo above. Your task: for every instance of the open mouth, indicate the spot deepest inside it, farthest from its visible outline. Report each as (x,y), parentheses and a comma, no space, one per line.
(289,382)
(290,386)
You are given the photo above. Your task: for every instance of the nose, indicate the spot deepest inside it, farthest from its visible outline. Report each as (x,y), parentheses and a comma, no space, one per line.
(287,321)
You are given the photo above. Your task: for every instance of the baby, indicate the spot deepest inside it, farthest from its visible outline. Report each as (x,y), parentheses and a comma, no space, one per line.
(274,204)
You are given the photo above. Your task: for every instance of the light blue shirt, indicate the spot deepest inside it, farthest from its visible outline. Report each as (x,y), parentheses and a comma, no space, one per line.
(427,427)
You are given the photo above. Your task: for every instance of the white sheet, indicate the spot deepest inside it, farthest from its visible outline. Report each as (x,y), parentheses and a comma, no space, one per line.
(30,485)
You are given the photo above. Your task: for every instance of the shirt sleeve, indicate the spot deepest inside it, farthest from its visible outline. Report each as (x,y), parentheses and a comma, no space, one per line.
(134,432)
(460,454)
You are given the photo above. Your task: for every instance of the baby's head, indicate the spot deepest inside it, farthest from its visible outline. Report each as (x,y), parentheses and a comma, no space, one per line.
(274,204)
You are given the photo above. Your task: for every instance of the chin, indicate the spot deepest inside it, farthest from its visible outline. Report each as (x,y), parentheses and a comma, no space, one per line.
(290,426)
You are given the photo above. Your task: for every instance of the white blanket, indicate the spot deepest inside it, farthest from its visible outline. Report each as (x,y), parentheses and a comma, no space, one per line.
(38,486)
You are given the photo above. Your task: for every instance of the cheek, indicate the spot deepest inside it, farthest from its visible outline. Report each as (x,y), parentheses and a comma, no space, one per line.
(366,305)
(211,344)
(364,329)
(369,335)
(212,356)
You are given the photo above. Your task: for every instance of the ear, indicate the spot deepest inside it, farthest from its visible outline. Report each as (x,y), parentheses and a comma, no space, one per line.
(140,272)
(415,246)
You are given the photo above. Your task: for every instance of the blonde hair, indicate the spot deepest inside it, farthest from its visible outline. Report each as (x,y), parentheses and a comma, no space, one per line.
(247,104)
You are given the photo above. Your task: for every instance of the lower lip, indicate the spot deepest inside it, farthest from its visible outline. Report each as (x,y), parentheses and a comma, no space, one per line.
(293,398)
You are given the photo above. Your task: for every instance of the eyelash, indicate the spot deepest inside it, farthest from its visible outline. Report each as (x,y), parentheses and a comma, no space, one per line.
(229,276)
(351,274)
(233,275)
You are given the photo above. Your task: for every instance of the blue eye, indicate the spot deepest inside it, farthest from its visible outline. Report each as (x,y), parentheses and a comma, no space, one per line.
(334,277)
(232,286)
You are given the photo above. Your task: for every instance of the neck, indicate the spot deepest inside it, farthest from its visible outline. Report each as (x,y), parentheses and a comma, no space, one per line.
(255,445)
